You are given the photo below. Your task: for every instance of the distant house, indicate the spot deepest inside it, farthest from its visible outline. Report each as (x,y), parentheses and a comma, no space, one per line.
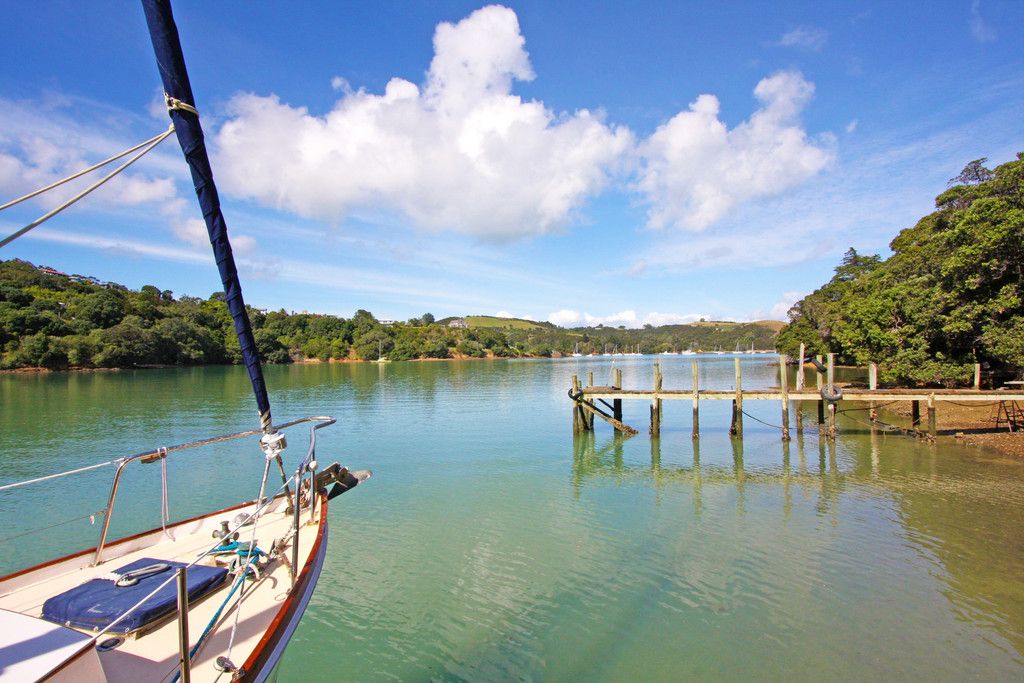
(51,271)
(459,323)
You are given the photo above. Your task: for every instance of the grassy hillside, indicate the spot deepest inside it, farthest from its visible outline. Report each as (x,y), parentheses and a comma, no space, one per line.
(480,321)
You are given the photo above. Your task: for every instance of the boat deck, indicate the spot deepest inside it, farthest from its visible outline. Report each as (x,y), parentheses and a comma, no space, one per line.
(153,655)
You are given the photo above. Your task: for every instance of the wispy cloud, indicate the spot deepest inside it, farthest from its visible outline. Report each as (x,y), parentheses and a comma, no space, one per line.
(804,37)
(323,276)
(627,318)
(981,30)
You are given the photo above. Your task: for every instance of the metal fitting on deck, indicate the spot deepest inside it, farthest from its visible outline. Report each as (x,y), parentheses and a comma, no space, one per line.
(273,444)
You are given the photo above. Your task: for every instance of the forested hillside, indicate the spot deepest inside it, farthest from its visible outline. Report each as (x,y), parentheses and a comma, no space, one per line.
(948,297)
(52,320)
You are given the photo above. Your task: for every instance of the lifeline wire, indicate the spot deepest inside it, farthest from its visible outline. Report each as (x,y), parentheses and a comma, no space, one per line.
(91,515)
(59,474)
(50,214)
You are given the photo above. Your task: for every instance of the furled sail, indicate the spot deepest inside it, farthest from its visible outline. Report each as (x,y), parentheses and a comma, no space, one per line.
(181,107)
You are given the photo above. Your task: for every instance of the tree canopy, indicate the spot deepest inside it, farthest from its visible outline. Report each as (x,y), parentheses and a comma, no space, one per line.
(950,295)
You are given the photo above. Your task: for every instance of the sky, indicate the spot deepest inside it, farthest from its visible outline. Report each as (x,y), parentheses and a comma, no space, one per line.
(578,162)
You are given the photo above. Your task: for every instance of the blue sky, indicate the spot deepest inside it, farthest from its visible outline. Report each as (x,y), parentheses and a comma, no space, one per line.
(576,162)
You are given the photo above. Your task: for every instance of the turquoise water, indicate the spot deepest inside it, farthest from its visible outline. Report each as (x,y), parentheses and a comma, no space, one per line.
(492,545)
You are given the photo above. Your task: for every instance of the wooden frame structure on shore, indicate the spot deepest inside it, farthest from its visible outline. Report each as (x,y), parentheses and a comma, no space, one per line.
(586,399)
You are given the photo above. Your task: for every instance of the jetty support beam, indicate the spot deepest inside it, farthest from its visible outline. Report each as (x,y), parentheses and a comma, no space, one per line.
(589,407)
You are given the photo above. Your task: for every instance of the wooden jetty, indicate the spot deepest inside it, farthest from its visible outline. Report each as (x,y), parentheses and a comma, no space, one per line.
(605,402)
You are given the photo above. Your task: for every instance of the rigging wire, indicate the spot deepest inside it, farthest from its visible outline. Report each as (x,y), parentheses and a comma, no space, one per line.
(146,148)
(81,173)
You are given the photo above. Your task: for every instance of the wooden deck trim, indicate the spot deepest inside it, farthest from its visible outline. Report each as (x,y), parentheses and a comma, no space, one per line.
(257,659)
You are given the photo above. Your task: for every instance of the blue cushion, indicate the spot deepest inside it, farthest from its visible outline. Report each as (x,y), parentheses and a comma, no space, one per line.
(98,602)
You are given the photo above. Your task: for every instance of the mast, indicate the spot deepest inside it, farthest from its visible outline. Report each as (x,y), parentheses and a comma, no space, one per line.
(181,107)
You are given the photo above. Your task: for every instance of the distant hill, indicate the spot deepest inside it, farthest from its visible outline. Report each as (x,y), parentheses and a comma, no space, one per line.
(489,321)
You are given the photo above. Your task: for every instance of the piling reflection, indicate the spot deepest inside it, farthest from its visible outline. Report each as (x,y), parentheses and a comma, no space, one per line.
(943,502)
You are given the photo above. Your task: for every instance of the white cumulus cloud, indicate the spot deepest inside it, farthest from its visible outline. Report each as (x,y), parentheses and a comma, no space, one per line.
(461,152)
(695,169)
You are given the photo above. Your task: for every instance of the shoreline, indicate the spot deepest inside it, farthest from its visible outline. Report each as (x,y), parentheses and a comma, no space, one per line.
(304,361)
(971,426)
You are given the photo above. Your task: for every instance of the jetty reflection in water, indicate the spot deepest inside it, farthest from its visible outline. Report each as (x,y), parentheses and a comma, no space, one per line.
(946,510)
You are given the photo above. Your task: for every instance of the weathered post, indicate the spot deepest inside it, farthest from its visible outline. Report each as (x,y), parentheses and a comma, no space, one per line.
(820,379)
(656,402)
(831,404)
(977,376)
(932,417)
(589,417)
(915,415)
(617,402)
(736,429)
(784,385)
(577,420)
(872,385)
(696,400)
(800,388)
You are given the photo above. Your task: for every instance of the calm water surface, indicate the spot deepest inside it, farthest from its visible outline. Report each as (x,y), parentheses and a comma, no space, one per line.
(491,544)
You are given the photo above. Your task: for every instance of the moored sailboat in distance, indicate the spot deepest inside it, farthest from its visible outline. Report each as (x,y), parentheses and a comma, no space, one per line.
(214,597)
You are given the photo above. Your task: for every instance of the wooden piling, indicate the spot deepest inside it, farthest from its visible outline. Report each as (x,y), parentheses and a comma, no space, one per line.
(617,403)
(589,417)
(872,385)
(820,380)
(577,425)
(656,402)
(915,415)
(977,375)
(784,386)
(800,371)
(800,387)
(831,369)
(696,401)
(736,429)
(932,417)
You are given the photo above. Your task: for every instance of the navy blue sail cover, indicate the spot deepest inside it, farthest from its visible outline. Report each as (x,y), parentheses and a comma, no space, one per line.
(171,63)
(96,603)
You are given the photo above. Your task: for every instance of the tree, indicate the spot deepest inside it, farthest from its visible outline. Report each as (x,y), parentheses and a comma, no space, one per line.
(950,295)
(427,318)
(974,173)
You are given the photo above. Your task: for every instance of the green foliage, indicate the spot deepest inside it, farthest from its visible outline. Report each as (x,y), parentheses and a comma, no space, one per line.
(54,321)
(949,296)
